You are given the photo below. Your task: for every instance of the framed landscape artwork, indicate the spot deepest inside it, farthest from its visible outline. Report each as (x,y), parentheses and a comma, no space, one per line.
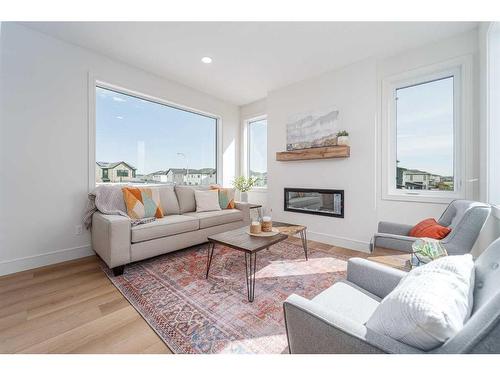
(313,129)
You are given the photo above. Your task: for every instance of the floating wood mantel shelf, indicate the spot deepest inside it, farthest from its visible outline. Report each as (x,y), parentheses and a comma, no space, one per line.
(315,153)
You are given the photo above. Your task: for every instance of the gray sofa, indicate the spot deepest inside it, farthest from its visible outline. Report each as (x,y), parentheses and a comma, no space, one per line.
(465,218)
(118,243)
(334,321)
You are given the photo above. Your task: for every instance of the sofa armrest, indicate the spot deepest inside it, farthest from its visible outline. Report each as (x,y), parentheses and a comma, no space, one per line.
(245,208)
(373,277)
(111,238)
(394,241)
(394,228)
(311,328)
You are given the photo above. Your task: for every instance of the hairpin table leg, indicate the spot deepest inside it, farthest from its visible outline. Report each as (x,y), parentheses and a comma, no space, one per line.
(210,254)
(250,267)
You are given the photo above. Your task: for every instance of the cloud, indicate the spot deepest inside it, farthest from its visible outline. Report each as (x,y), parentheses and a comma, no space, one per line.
(119,117)
(118,99)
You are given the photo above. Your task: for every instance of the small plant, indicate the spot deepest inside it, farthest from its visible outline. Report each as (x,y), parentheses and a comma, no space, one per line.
(343,133)
(243,184)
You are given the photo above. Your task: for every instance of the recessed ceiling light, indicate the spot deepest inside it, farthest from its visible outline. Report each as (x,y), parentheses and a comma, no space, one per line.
(206,60)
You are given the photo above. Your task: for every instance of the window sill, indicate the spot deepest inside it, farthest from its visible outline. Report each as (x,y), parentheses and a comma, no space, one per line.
(421,198)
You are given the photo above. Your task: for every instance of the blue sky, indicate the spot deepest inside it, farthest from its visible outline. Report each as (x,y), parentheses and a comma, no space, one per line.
(425,127)
(149,135)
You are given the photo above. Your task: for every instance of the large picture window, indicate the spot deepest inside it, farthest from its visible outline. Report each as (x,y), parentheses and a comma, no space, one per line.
(140,141)
(425,136)
(424,153)
(257,151)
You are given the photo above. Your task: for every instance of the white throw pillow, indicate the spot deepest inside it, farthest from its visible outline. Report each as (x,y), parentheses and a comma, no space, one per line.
(429,305)
(207,200)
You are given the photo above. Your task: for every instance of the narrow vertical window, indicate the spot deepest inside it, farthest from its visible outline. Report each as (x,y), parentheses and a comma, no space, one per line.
(257,151)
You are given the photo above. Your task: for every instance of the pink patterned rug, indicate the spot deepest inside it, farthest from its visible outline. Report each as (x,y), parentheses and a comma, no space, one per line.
(195,315)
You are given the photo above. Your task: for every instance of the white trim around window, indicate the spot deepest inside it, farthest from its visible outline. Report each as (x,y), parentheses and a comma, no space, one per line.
(246,147)
(492,149)
(94,81)
(460,69)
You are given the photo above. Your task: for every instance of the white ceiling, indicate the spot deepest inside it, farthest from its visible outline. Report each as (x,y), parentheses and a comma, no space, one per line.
(249,58)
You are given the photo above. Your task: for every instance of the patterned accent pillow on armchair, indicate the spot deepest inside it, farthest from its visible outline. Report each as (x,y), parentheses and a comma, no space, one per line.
(142,202)
(226,196)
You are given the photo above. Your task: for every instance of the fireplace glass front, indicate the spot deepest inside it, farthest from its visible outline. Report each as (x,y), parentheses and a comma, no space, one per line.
(324,202)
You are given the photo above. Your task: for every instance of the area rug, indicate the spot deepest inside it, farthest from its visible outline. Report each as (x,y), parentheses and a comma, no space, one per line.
(193,314)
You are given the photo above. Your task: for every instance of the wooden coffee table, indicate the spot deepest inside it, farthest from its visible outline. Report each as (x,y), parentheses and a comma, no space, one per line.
(239,239)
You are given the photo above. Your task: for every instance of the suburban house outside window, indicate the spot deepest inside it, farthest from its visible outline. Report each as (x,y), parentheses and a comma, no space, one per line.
(423,129)
(257,150)
(143,141)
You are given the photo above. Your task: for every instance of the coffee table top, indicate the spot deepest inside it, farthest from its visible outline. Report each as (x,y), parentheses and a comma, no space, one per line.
(239,239)
(289,229)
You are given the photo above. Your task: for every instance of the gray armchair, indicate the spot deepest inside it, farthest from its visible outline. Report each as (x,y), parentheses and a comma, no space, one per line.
(334,321)
(465,218)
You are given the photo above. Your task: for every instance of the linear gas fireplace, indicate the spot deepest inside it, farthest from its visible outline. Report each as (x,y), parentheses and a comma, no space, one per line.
(324,202)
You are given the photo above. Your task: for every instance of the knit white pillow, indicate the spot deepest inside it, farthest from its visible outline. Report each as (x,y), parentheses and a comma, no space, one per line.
(429,305)
(207,200)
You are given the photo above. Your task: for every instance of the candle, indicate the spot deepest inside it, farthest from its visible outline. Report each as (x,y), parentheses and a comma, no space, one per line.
(255,227)
(267,224)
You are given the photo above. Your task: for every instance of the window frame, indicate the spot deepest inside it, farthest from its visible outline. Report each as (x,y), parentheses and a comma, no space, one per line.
(94,82)
(248,122)
(492,142)
(459,69)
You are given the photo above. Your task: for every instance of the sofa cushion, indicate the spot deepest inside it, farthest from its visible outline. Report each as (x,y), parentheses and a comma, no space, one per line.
(168,200)
(167,226)
(349,300)
(142,202)
(206,200)
(226,196)
(213,218)
(429,305)
(185,197)
(429,228)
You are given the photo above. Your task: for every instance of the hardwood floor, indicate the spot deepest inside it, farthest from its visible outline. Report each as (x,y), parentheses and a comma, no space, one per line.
(72,307)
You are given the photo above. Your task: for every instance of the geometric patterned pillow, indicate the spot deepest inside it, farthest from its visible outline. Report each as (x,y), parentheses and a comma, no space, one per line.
(226,196)
(142,202)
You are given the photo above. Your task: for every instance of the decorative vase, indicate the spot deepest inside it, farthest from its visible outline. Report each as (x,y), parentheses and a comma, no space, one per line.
(343,140)
(244,196)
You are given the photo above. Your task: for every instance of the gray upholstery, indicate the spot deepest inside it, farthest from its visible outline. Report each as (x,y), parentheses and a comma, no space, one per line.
(212,218)
(321,326)
(168,199)
(118,243)
(350,300)
(465,218)
(185,196)
(373,277)
(167,226)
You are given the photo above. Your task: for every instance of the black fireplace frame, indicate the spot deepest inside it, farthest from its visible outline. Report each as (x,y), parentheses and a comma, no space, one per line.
(321,191)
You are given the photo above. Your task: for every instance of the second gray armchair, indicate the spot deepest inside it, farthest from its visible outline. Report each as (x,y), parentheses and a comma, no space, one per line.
(465,218)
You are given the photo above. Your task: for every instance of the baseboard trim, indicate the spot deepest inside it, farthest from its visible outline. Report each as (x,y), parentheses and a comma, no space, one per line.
(34,261)
(348,243)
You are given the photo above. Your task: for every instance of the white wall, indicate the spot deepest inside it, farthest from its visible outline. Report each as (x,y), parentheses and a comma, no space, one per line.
(44,141)
(355,91)
(489,52)
(248,112)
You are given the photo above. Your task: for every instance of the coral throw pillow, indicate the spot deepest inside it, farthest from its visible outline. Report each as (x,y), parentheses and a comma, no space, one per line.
(430,228)
(226,196)
(142,202)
